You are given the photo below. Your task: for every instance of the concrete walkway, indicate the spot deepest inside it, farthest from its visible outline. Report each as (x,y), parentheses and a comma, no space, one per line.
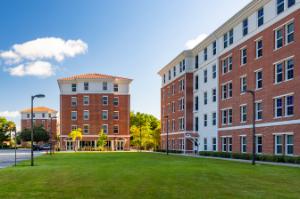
(7,157)
(238,160)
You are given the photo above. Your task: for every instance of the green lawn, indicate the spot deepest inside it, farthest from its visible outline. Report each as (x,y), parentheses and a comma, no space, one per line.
(143,176)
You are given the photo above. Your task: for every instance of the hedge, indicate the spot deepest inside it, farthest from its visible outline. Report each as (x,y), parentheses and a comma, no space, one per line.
(247,156)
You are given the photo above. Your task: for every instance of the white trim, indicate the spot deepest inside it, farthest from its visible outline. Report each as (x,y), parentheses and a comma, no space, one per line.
(284,24)
(267,124)
(284,95)
(283,60)
(286,133)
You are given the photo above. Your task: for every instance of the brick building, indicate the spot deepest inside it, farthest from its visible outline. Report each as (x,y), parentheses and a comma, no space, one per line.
(256,49)
(93,102)
(177,104)
(42,116)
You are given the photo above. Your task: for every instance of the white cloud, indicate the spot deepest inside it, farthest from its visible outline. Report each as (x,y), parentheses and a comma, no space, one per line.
(193,42)
(35,57)
(39,68)
(10,114)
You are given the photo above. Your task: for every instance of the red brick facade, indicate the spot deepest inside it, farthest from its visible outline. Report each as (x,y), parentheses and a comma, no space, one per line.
(269,126)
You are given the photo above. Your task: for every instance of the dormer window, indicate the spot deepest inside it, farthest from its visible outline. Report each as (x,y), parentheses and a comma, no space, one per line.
(86,86)
(104,86)
(116,87)
(74,87)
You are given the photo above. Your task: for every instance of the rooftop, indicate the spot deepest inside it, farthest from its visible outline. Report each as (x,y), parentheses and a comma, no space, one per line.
(40,109)
(93,76)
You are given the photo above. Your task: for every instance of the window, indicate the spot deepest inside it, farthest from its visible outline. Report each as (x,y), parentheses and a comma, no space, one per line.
(74,101)
(104,115)
(205,98)
(280,6)
(227,116)
(74,127)
(104,86)
(169,72)
(227,144)
(28,115)
(214,95)
(243,144)
(214,71)
(86,86)
(214,118)
(104,100)
(196,82)
(173,125)
(74,87)
(260,17)
(174,71)
(86,100)
(289,105)
(86,115)
(227,90)
(225,40)
(230,144)
(164,78)
(205,54)
(243,113)
(289,145)
(105,128)
(278,107)
(259,49)
(278,73)
(196,103)
(180,67)
(259,79)
(227,65)
(214,47)
(116,115)
(181,104)
(278,144)
(224,144)
(116,129)
(181,123)
(245,27)
(205,76)
(85,129)
(173,107)
(231,37)
(183,65)
(197,61)
(291,3)
(43,115)
(205,144)
(243,84)
(205,120)
(116,101)
(196,123)
(74,115)
(279,38)
(258,111)
(181,85)
(244,56)
(214,144)
(290,29)
(289,70)
(258,144)
(116,87)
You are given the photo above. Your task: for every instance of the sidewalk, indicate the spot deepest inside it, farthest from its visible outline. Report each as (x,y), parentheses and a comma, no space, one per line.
(237,160)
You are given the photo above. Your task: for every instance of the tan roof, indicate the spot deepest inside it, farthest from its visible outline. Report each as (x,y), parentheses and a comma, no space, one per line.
(93,76)
(40,109)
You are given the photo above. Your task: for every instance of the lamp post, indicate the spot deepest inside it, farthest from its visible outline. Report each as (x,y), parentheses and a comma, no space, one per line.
(51,133)
(32,99)
(15,147)
(167,148)
(253,125)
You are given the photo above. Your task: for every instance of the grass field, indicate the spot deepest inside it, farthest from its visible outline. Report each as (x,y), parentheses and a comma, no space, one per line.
(143,176)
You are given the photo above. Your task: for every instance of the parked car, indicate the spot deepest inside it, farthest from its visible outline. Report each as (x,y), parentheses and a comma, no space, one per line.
(36,147)
(45,147)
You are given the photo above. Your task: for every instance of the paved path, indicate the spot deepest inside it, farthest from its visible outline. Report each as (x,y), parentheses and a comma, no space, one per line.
(7,157)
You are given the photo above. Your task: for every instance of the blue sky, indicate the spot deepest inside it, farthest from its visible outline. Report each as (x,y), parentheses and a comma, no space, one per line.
(132,38)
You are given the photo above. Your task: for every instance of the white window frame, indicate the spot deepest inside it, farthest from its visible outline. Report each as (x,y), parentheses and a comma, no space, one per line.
(114,127)
(102,112)
(88,129)
(276,144)
(84,115)
(86,100)
(205,120)
(287,144)
(258,145)
(105,127)
(243,84)
(243,112)
(287,33)
(257,111)
(258,80)
(243,143)
(244,56)
(288,106)
(116,115)
(289,69)
(259,49)
(277,73)
(277,38)
(74,119)
(214,95)
(276,107)
(104,99)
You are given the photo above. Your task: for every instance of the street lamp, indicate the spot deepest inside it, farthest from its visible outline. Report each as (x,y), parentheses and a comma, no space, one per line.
(32,99)
(253,124)
(51,118)
(167,117)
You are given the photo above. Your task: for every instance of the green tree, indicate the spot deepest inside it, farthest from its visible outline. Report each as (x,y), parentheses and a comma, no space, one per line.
(5,127)
(76,135)
(39,135)
(144,131)
(102,140)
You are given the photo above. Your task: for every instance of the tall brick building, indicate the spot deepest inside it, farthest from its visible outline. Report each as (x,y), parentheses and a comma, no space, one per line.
(93,102)
(41,117)
(257,49)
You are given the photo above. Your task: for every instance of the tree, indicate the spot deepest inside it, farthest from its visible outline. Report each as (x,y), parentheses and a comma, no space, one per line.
(102,140)
(5,126)
(76,135)
(144,131)
(39,135)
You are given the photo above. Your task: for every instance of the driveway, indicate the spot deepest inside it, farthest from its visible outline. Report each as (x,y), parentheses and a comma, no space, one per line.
(7,157)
